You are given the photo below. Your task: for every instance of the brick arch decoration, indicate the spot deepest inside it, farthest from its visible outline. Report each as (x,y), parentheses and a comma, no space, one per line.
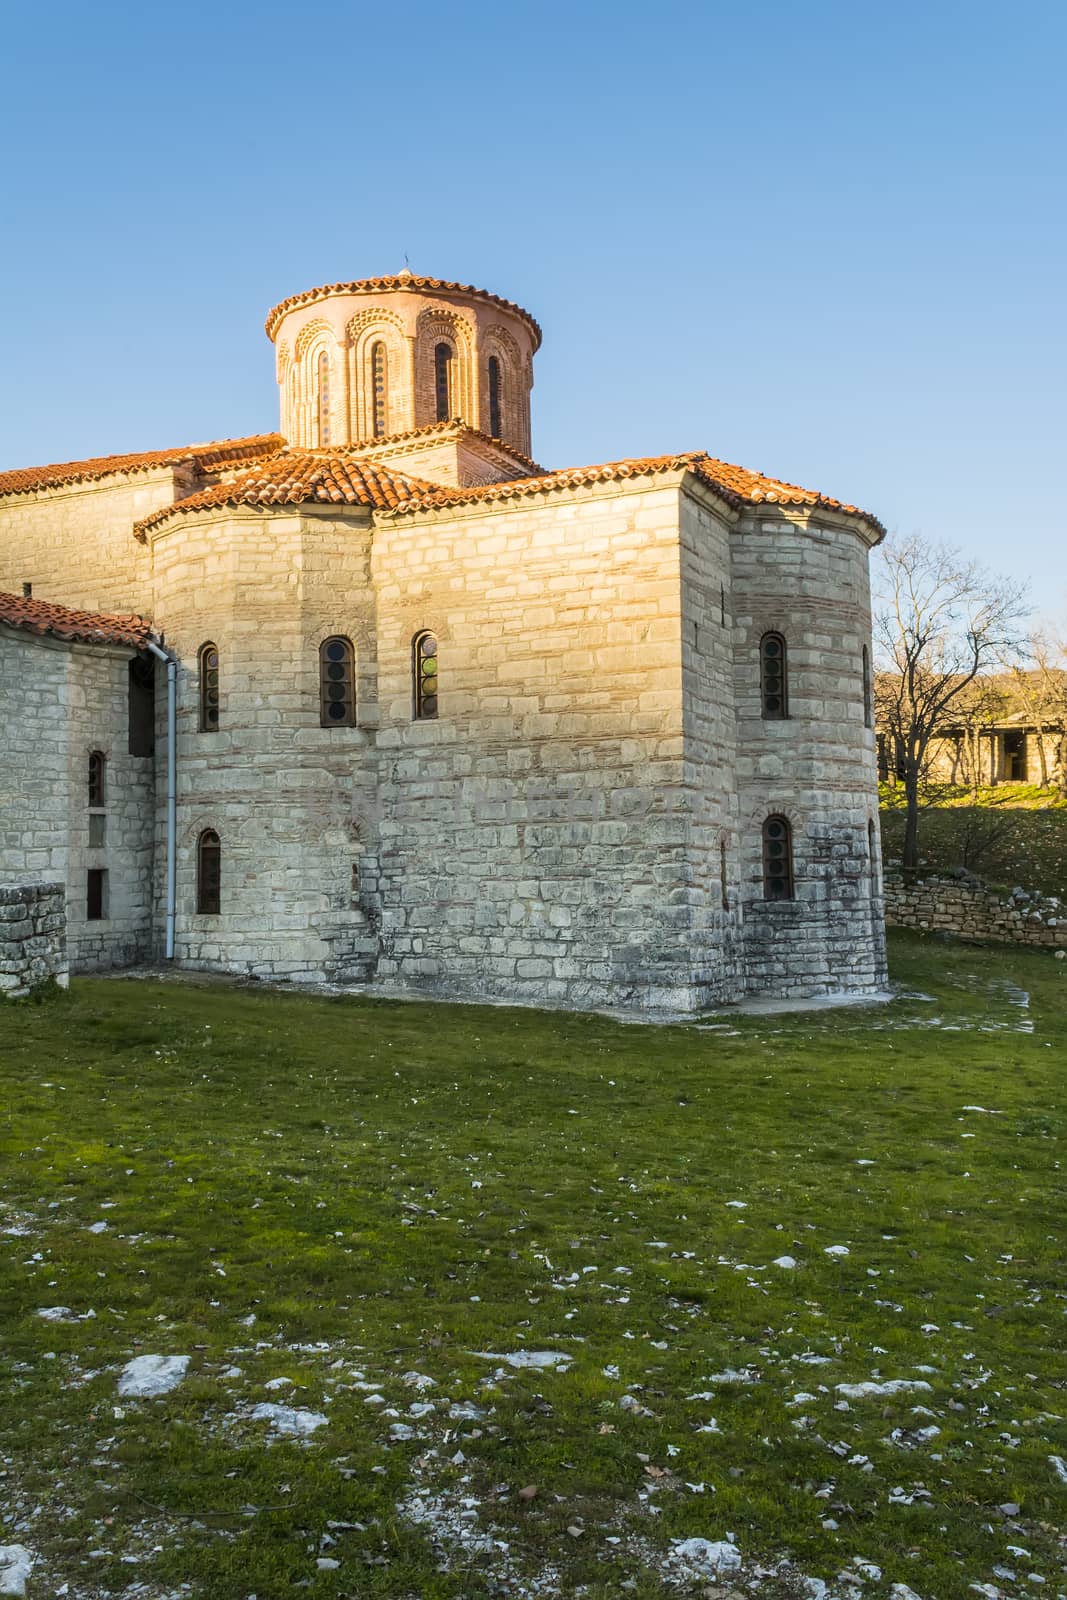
(435,324)
(311,341)
(283,359)
(363,331)
(497,341)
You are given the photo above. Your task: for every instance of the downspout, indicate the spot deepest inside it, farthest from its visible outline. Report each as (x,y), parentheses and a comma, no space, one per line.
(172,788)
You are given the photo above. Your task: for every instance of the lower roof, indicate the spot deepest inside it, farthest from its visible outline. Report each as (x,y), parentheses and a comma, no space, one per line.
(64,622)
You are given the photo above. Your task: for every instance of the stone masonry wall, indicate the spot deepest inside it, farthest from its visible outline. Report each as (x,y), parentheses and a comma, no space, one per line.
(75,544)
(293,803)
(33,945)
(970,911)
(534,837)
(807,578)
(59,702)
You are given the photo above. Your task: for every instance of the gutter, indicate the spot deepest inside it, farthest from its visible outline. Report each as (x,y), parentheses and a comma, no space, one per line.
(172,787)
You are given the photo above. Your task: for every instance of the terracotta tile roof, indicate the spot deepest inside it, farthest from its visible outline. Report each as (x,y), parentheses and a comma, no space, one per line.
(402,280)
(456,425)
(87,627)
(290,477)
(737,485)
(206,457)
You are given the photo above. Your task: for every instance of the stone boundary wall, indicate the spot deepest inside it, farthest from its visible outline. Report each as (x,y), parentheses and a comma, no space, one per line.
(970,911)
(33,936)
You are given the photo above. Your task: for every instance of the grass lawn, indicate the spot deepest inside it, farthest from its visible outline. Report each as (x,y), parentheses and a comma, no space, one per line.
(354,1210)
(1026,829)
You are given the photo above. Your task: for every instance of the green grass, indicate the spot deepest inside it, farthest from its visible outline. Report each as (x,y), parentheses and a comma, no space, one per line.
(339,1192)
(1026,828)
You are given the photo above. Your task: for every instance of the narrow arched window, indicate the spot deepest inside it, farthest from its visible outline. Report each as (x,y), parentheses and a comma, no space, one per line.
(379,362)
(723,887)
(323,394)
(773,684)
(337,684)
(777,859)
(208,660)
(868,694)
(442,381)
(872,857)
(424,671)
(97,778)
(208,874)
(495,427)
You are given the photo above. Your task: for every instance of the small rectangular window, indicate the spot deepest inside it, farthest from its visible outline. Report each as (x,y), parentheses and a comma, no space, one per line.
(97,830)
(142,708)
(96,894)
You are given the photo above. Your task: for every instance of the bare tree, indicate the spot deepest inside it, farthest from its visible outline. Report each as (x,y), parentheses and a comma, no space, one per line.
(940,621)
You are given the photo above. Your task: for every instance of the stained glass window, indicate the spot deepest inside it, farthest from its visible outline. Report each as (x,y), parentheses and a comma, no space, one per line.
(425,671)
(208,657)
(773,686)
(777,859)
(337,684)
(380,374)
(323,389)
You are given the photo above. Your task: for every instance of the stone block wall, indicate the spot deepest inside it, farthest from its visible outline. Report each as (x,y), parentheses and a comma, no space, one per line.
(58,703)
(805,576)
(970,911)
(33,945)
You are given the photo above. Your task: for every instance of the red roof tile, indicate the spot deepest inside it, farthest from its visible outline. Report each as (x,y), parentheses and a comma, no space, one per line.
(207,457)
(341,476)
(737,485)
(87,627)
(401,281)
(291,477)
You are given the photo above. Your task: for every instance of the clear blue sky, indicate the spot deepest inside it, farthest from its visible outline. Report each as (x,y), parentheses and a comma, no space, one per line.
(822,239)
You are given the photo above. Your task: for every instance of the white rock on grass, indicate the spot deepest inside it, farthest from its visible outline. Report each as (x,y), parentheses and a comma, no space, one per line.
(836,1250)
(542,1360)
(293,1420)
(146,1377)
(704,1558)
(867,1391)
(900,1591)
(16,1564)
(56,1314)
(418,1380)
(1059,1467)
(787,1263)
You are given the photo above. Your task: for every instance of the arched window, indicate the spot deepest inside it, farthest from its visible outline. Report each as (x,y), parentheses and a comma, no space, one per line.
(868,695)
(773,685)
(337,684)
(723,888)
(208,874)
(97,778)
(777,859)
(495,426)
(442,380)
(872,857)
(323,395)
(379,362)
(424,671)
(208,660)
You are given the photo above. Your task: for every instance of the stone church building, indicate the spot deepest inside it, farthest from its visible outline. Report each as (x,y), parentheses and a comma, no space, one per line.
(379,700)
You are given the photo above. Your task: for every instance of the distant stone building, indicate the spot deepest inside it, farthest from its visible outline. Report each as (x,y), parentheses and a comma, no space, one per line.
(441,719)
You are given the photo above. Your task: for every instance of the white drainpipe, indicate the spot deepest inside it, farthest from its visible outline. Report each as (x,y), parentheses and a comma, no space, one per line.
(172,788)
